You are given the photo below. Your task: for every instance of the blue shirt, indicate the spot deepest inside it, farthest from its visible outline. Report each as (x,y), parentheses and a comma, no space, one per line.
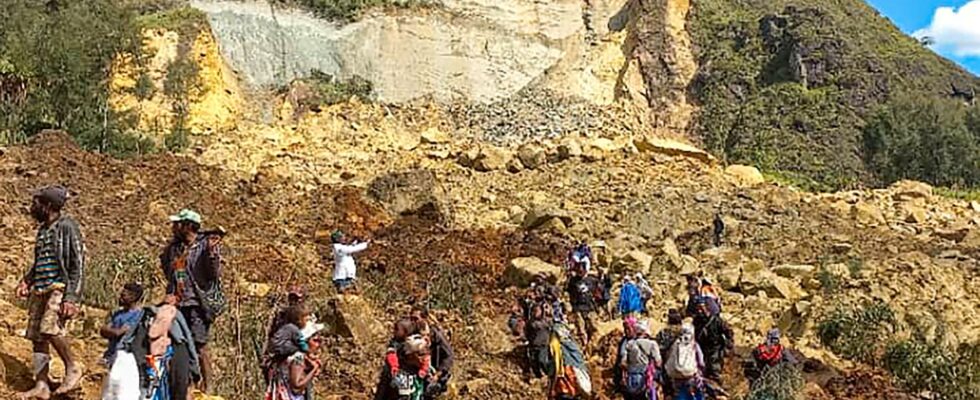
(119,319)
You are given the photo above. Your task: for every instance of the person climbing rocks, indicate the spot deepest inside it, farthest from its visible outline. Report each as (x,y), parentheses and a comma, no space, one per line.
(580,288)
(191,264)
(685,366)
(630,298)
(123,320)
(719,229)
(53,287)
(294,355)
(665,339)
(640,359)
(769,354)
(700,289)
(580,257)
(345,269)
(715,338)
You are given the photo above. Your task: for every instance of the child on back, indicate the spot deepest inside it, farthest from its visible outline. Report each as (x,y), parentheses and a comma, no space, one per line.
(123,320)
(410,340)
(289,339)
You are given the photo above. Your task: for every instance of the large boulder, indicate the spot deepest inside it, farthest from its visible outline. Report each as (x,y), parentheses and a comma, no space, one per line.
(634,261)
(774,286)
(351,316)
(545,216)
(416,192)
(434,136)
(745,175)
(867,214)
(670,147)
(908,190)
(794,271)
(521,271)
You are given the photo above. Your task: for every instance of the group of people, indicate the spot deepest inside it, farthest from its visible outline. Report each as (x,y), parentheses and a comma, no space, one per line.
(152,350)
(683,361)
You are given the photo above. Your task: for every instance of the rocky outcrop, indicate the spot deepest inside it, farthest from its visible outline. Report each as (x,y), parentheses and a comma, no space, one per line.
(522,271)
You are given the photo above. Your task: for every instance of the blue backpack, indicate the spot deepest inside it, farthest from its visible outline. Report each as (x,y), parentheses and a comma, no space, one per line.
(630,300)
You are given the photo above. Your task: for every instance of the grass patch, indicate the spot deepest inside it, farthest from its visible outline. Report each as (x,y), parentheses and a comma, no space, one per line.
(350,10)
(856,333)
(186,21)
(958,194)
(328,89)
(929,366)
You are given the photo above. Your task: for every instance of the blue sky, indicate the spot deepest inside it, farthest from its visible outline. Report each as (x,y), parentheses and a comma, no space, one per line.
(954,25)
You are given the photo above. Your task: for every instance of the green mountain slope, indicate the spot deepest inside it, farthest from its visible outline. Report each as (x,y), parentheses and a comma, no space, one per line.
(791,85)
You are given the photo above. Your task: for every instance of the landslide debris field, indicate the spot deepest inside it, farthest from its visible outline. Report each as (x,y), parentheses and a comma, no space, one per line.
(903,245)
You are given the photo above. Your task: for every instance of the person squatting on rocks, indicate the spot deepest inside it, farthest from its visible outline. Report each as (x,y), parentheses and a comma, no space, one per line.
(639,360)
(715,338)
(53,286)
(293,356)
(345,269)
(191,263)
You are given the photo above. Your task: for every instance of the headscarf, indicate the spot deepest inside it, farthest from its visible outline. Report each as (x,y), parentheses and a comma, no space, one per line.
(643,327)
(629,325)
(687,335)
(772,338)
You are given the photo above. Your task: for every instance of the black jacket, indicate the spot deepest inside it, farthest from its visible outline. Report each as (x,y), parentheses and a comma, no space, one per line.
(70,253)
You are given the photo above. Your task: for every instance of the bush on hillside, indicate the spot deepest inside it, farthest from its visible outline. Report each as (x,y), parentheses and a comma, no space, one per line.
(927,139)
(349,10)
(55,63)
(923,365)
(105,277)
(858,333)
(783,382)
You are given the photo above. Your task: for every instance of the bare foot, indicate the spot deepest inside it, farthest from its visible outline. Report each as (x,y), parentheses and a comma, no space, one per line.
(40,391)
(72,378)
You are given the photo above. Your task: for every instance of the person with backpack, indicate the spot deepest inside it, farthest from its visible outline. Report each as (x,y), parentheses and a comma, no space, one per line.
(53,288)
(769,354)
(646,291)
(665,339)
(715,338)
(345,269)
(579,257)
(685,365)
(700,289)
(640,359)
(580,289)
(191,264)
(630,298)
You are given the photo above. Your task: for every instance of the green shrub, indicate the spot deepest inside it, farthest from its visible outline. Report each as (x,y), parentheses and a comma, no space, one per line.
(328,90)
(828,281)
(783,382)
(859,334)
(922,365)
(349,10)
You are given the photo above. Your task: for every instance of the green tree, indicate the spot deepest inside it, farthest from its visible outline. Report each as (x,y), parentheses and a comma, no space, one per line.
(57,57)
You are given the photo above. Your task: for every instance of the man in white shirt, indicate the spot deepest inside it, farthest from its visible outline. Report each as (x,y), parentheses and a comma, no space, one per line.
(345,269)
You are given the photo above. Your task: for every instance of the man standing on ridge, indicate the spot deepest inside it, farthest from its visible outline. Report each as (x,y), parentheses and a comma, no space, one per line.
(53,286)
(191,264)
(345,269)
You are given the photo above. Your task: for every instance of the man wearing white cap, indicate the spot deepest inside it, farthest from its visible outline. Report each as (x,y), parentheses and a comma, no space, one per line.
(191,263)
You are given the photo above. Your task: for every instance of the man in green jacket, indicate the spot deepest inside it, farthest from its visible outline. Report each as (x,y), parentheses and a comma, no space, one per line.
(53,286)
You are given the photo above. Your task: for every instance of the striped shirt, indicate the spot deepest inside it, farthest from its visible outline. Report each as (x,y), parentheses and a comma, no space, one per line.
(46,275)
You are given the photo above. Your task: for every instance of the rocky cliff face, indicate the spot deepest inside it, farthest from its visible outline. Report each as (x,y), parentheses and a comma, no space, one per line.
(473,50)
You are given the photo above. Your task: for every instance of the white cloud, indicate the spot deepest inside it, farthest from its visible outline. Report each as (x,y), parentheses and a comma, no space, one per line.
(955,30)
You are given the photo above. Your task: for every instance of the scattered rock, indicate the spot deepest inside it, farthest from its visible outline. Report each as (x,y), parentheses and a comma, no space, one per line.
(908,190)
(972,239)
(532,156)
(491,158)
(745,175)
(522,271)
(975,206)
(569,148)
(915,214)
(669,248)
(352,317)
(441,154)
(255,289)
(514,166)
(794,271)
(434,136)
(474,386)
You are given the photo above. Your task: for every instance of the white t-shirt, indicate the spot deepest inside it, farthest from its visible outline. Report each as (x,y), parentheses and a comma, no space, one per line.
(343,260)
